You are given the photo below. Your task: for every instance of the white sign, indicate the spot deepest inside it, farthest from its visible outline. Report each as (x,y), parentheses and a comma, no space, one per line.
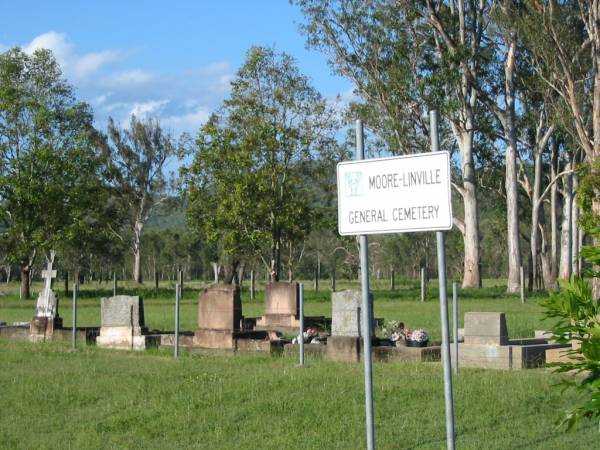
(394,195)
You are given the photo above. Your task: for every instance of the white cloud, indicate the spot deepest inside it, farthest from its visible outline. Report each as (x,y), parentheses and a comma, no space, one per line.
(189,121)
(57,42)
(91,62)
(72,63)
(147,108)
(100,100)
(222,84)
(211,69)
(116,86)
(129,77)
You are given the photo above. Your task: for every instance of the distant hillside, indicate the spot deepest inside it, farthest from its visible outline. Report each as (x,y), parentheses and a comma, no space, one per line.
(165,218)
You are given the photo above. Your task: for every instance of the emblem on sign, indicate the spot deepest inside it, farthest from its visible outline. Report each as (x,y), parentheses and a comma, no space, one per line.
(353,182)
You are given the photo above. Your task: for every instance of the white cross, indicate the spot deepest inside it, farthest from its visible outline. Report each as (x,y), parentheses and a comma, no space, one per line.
(48,274)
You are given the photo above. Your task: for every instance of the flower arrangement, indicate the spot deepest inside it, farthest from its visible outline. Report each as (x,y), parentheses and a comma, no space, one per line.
(397,332)
(394,330)
(418,335)
(308,335)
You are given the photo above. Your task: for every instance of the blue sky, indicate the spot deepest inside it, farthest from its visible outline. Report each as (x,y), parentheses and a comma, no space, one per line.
(172,60)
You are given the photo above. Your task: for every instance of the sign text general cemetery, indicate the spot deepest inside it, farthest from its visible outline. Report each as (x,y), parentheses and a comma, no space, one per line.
(394,195)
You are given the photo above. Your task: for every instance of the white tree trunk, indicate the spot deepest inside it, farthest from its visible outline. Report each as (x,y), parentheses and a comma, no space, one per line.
(554,210)
(535,213)
(564,270)
(470,231)
(137,236)
(216,269)
(575,228)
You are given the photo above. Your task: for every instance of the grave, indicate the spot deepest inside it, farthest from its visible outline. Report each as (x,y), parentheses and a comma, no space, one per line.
(344,344)
(487,345)
(281,308)
(219,316)
(122,323)
(46,319)
(220,325)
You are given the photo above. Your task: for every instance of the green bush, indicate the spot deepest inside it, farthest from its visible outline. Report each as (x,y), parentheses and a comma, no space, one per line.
(577,316)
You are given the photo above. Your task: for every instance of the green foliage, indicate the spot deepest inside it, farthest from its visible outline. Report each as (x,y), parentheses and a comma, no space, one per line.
(52,165)
(262,161)
(577,316)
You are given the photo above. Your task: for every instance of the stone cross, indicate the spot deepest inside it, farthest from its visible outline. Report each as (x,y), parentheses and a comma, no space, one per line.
(49,274)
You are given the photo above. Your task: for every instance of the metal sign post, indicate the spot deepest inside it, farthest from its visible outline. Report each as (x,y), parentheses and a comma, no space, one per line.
(441,252)
(301,335)
(366,311)
(401,194)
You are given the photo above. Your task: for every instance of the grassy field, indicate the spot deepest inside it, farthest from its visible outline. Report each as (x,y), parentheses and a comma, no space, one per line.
(95,398)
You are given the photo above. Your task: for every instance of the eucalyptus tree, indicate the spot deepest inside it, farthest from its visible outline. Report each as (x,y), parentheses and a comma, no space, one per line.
(258,159)
(51,161)
(407,57)
(564,40)
(139,155)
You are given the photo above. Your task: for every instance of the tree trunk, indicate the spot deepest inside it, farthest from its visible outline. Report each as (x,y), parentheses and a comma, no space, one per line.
(596,243)
(512,219)
(216,270)
(137,236)
(554,210)
(470,230)
(230,272)
(275,258)
(25,272)
(240,274)
(535,211)
(471,272)
(575,228)
(564,271)
(548,273)
(66,284)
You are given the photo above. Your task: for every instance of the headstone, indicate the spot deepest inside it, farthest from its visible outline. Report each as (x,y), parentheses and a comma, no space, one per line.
(46,318)
(346,307)
(281,307)
(485,328)
(122,323)
(344,344)
(486,345)
(219,317)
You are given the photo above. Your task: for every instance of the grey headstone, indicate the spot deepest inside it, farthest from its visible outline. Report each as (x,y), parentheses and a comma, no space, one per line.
(122,311)
(346,318)
(486,328)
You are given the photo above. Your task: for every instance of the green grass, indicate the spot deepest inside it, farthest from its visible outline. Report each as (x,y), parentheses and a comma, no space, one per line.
(94,398)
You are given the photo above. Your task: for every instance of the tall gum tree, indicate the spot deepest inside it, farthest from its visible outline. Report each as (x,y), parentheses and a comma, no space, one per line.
(398,57)
(564,39)
(139,154)
(458,32)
